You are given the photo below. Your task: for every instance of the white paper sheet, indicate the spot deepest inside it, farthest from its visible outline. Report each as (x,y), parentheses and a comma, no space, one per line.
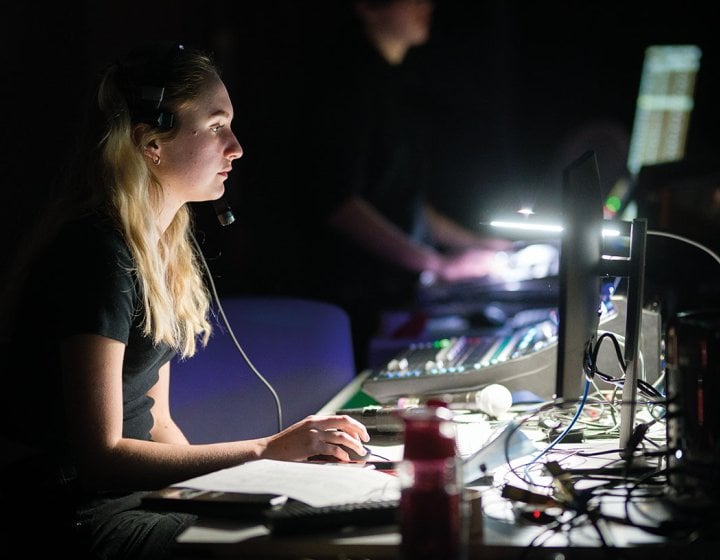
(318,485)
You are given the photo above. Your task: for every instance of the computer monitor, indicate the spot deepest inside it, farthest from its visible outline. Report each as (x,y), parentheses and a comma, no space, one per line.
(583,263)
(579,296)
(664,107)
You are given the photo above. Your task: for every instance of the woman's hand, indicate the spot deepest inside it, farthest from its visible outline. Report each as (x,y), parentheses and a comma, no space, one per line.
(317,435)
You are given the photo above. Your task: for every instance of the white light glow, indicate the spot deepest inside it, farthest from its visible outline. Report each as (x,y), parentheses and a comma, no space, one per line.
(527,226)
(554,228)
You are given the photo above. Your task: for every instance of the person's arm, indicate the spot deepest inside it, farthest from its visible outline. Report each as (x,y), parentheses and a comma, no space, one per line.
(92,370)
(362,223)
(449,233)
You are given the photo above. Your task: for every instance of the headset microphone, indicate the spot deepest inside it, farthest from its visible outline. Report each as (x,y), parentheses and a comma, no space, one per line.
(223,211)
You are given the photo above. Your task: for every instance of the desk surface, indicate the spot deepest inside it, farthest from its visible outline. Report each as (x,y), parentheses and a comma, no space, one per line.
(492,539)
(496,529)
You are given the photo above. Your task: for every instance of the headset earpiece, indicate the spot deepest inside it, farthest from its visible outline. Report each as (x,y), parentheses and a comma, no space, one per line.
(145,76)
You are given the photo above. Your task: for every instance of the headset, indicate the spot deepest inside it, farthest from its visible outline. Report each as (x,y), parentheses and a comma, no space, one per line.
(143,84)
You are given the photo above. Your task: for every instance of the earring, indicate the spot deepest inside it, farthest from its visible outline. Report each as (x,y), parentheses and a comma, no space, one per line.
(156,160)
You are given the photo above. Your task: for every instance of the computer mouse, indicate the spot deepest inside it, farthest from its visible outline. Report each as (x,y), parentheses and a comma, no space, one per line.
(354,455)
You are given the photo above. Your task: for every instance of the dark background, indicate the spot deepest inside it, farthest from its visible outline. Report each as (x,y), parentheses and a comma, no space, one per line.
(511,80)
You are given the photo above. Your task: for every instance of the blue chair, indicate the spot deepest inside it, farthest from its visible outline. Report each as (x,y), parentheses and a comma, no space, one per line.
(303,348)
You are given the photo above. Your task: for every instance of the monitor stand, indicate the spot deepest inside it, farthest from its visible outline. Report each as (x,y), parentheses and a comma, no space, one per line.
(631,267)
(633,330)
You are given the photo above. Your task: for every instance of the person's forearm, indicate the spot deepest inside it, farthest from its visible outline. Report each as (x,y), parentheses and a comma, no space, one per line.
(449,233)
(138,464)
(367,227)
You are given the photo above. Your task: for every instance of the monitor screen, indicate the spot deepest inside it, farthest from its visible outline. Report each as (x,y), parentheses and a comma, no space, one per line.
(579,274)
(663,110)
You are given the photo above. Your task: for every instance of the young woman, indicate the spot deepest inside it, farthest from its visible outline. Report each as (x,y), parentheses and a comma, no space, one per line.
(111,291)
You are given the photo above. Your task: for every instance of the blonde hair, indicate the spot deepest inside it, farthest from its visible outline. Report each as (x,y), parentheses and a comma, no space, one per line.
(111,174)
(175,299)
